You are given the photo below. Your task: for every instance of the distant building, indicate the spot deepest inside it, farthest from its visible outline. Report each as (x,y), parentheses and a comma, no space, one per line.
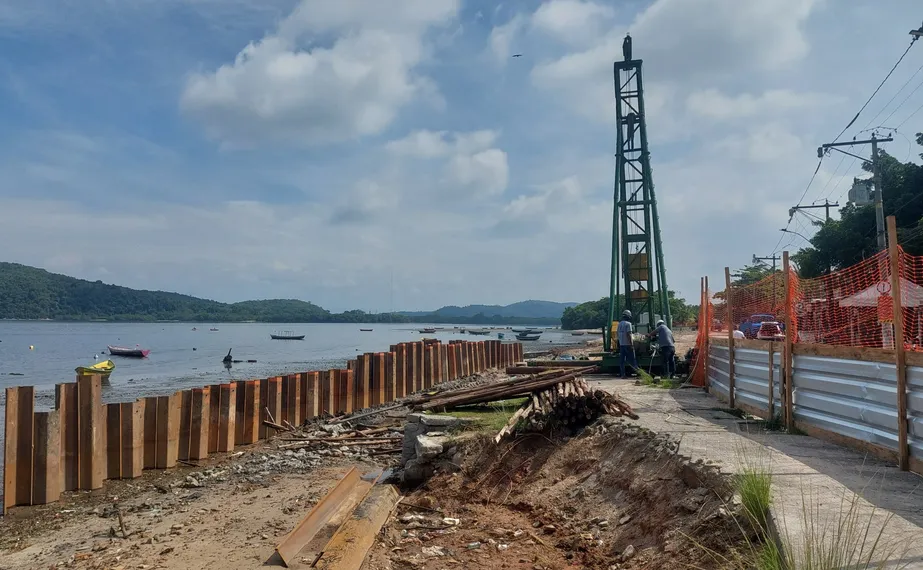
(862,191)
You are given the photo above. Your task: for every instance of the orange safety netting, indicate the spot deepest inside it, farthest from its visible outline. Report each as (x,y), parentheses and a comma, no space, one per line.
(850,307)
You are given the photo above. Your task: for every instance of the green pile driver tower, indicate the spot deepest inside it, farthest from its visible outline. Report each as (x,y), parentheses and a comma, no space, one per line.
(638,279)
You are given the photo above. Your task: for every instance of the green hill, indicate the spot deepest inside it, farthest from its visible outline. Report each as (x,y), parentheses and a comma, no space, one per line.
(32,293)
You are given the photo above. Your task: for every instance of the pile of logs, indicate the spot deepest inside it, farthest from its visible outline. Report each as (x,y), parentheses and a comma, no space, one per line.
(572,404)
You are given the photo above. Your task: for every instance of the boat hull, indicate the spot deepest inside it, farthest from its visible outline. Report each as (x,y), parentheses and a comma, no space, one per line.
(103,369)
(129,352)
(285,337)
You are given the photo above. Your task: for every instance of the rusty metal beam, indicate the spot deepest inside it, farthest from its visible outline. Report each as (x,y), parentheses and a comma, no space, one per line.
(325,518)
(350,545)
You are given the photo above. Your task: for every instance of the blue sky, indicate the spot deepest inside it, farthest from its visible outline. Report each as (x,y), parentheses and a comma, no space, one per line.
(239,149)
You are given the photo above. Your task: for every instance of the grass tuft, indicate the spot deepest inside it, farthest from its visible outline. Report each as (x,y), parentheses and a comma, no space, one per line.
(489,417)
(754,485)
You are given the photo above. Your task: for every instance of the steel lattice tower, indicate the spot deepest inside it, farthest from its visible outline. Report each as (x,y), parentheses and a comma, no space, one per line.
(637,249)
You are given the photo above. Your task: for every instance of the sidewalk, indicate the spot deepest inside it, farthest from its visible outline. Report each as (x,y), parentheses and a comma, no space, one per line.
(804,469)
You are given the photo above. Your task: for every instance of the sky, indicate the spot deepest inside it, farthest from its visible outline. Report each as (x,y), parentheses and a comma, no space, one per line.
(394,155)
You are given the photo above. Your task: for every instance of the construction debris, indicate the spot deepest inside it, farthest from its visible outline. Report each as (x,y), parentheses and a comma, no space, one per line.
(571,403)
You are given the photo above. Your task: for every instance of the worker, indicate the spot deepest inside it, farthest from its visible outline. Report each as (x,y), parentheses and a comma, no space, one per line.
(626,47)
(667,347)
(739,333)
(626,345)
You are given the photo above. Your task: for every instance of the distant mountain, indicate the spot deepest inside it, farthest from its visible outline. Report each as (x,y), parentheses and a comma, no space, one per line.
(32,293)
(521,310)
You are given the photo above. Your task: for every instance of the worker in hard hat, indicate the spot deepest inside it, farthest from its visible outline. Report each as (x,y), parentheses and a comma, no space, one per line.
(626,345)
(664,337)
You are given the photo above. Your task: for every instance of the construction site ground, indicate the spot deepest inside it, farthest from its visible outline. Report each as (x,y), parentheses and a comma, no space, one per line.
(806,471)
(652,492)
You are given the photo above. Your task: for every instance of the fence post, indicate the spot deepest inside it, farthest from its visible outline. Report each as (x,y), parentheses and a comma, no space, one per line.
(787,356)
(899,351)
(708,320)
(730,324)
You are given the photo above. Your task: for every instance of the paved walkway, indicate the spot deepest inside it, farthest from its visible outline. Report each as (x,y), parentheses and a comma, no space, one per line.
(805,470)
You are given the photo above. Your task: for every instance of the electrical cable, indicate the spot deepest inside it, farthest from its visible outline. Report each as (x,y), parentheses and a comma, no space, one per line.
(877,89)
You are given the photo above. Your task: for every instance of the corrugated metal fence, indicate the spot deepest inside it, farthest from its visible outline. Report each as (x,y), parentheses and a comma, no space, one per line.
(853,398)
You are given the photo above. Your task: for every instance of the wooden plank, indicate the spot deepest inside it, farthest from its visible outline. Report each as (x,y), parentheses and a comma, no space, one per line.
(113,441)
(240,406)
(348,378)
(307,399)
(18,448)
(65,402)
(150,432)
(862,353)
(264,397)
(772,402)
(903,455)
(227,411)
(412,371)
(400,371)
(313,403)
(252,413)
(92,443)
(273,402)
(363,373)
(47,468)
(132,455)
(185,424)
(332,392)
(349,546)
(789,341)
(199,424)
(295,396)
(421,371)
(214,416)
(168,427)
(378,371)
(729,304)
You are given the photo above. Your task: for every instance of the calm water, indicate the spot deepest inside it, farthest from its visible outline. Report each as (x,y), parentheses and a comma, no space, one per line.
(173,364)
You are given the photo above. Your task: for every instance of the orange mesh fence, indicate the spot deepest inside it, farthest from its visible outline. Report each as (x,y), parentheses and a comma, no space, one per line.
(911,283)
(757,303)
(850,307)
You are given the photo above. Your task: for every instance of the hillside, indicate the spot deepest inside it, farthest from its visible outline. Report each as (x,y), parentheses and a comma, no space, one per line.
(523,309)
(32,293)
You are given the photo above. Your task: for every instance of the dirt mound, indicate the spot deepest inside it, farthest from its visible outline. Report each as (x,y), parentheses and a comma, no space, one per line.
(616,497)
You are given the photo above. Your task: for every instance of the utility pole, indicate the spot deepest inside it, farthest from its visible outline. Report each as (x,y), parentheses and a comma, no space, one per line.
(876,178)
(826,205)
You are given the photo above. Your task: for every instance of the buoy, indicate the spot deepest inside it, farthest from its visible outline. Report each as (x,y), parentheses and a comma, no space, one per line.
(31,347)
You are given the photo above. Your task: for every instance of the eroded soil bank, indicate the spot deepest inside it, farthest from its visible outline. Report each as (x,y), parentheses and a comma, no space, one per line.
(615,497)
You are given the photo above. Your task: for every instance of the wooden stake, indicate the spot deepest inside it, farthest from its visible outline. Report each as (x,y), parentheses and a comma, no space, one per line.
(899,351)
(787,380)
(730,324)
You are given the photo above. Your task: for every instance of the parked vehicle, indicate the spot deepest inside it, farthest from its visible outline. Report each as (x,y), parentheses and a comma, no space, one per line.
(770,330)
(751,326)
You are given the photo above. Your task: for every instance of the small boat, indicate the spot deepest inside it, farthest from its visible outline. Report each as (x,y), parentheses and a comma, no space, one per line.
(195,329)
(521,330)
(366,330)
(427,331)
(213,330)
(135,352)
(500,335)
(578,333)
(286,335)
(103,369)
(524,336)
(479,333)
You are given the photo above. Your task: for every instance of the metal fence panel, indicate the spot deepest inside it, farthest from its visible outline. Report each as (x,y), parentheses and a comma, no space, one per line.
(751,377)
(915,410)
(853,398)
(718,370)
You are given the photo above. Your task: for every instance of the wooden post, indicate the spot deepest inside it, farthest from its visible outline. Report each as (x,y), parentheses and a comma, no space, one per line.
(185,424)
(787,357)
(227,416)
(132,416)
(113,440)
(198,427)
(899,350)
(92,442)
(312,393)
(46,486)
(730,324)
(65,396)
(17,466)
(707,325)
(400,371)
(150,433)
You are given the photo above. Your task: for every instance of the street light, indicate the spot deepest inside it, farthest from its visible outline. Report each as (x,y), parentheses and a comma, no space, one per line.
(785,230)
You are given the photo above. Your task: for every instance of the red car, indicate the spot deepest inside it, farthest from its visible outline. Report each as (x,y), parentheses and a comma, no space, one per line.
(770,330)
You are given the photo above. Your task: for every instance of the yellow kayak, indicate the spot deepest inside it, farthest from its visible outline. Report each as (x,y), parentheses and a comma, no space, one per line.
(103,368)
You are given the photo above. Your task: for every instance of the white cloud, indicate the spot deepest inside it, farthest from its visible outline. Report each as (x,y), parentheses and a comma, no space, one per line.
(714,104)
(473,162)
(573,21)
(289,87)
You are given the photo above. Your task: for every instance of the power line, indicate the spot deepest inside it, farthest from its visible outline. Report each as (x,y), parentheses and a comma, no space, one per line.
(877,89)
(910,116)
(893,97)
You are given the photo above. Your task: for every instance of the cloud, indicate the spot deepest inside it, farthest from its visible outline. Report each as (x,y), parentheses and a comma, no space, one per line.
(714,104)
(291,86)
(472,162)
(572,21)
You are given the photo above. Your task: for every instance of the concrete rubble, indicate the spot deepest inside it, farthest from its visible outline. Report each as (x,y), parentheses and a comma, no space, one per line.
(429,445)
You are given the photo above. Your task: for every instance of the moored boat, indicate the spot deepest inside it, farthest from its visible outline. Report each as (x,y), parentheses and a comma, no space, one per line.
(478,332)
(525,336)
(135,352)
(366,330)
(103,369)
(286,335)
(427,331)
(500,335)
